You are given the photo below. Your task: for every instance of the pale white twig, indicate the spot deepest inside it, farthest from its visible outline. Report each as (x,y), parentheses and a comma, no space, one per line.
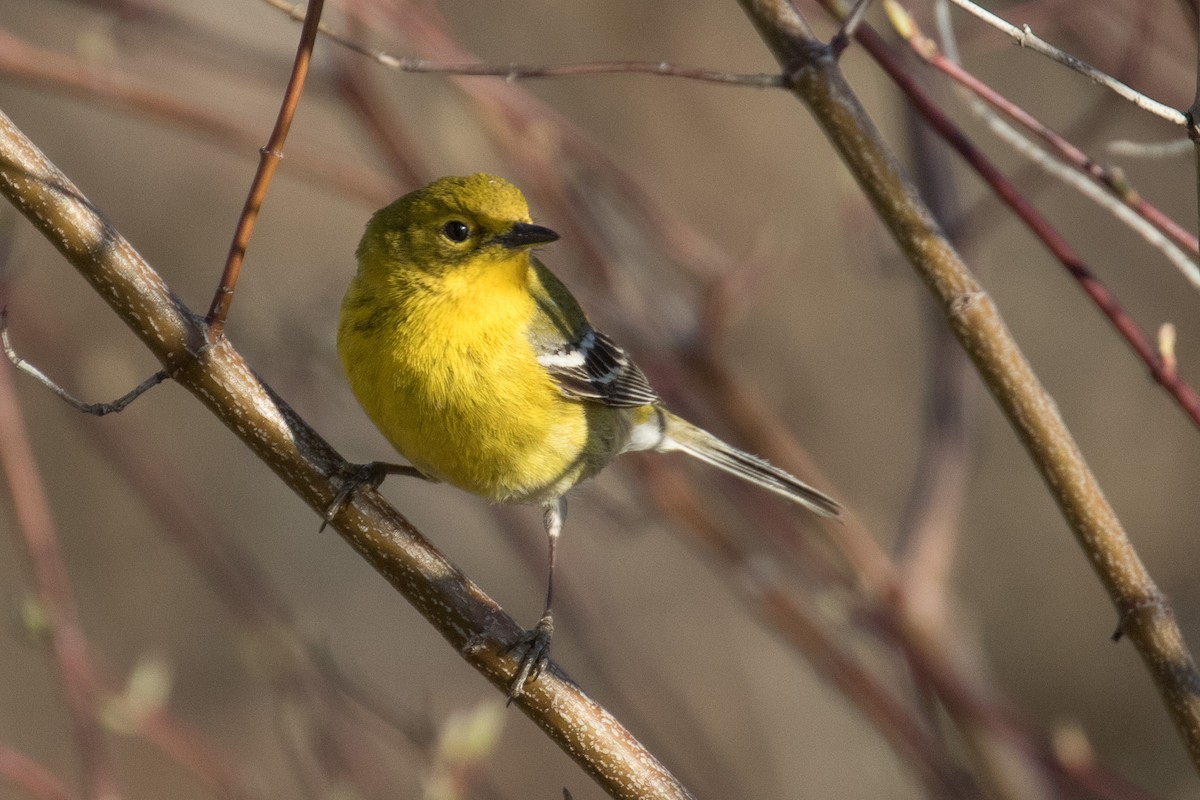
(1026,38)
(515,71)
(1131,149)
(1063,172)
(849,26)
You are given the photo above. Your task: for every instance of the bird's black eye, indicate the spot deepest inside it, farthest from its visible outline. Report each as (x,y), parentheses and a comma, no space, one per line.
(456,231)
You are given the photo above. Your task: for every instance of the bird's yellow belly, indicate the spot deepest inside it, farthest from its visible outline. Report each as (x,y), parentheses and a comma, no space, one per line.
(483,417)
(471,436)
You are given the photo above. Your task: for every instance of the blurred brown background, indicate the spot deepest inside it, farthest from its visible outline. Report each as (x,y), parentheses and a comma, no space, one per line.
(828,331)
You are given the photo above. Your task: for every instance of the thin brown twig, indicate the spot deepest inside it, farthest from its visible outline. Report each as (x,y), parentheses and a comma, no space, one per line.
(516,71)
(68,642)
(268,162)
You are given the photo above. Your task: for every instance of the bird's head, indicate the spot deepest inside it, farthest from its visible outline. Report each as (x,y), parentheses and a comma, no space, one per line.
(452,222)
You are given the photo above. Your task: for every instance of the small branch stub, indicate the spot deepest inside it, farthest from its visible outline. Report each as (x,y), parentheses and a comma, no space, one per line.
(97,409)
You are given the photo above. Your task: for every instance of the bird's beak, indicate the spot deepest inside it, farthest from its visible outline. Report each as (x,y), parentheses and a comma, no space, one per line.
(524,234)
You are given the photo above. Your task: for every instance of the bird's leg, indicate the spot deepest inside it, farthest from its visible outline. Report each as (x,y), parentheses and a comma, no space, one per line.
(365,476)
(537,641)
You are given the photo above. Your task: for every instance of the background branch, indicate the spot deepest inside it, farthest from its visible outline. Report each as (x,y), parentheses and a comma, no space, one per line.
(1143,612)
(29,776)
(67,641)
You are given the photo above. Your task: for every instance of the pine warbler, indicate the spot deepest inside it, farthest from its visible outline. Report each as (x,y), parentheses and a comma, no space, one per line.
(482,370)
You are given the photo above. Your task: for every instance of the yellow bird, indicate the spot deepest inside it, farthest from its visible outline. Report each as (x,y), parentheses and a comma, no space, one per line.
(482,370)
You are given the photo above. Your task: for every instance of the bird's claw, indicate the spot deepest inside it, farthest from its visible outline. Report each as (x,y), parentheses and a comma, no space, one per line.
(354,480)
(536,643)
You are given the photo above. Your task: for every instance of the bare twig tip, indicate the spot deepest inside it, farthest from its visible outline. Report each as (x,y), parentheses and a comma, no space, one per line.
(96,409)
(1166,348)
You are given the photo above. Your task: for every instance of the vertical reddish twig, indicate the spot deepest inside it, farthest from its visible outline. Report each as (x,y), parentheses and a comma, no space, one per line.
(36,528)
(268,162)
(31,777)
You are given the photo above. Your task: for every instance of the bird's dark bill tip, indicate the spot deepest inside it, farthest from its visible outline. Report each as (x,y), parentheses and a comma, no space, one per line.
(524,234)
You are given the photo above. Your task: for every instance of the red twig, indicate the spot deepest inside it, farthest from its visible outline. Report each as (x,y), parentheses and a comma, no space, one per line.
(267,164)
(927,50)
(1179,389)
(31,777)
(36,527)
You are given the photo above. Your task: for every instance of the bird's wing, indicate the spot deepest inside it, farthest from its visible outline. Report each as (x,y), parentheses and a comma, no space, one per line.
(593,368)
(585,363)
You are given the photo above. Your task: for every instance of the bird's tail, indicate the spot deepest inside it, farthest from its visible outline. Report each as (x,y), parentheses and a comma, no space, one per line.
(679,434)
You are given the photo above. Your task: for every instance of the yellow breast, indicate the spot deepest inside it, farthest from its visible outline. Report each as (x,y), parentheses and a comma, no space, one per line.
(449,377)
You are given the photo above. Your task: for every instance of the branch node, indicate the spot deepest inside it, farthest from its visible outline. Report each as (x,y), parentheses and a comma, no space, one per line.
(1193,131)
(806,55)
(1154,605)
(962,304)
(841,40)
